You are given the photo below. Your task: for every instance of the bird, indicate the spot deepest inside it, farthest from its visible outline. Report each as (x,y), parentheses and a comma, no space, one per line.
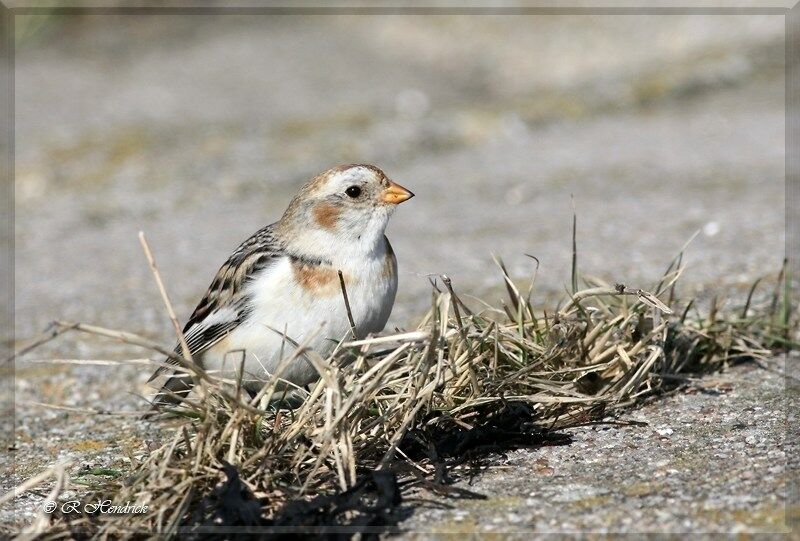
(281,287)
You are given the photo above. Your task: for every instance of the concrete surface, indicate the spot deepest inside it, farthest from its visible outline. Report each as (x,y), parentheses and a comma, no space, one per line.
(711,459)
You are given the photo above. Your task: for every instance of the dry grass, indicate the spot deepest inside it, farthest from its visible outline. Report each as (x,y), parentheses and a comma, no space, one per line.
(414,405)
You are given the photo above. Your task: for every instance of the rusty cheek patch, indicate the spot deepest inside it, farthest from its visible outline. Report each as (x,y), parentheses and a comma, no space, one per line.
(316,279)
(326,215)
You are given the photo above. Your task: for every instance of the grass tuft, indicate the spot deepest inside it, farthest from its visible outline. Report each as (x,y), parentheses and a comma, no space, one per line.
(417,409)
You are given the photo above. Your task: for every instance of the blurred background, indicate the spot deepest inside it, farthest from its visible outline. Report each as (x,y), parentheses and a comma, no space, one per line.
(198,129)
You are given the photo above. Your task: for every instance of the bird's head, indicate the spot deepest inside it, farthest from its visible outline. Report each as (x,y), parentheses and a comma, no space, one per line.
(349,203)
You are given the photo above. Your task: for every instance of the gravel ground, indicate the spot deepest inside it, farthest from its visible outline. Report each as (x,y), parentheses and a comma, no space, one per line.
(198,130)
(709,459)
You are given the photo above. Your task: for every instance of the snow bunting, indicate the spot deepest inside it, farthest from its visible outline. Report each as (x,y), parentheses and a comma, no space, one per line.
(281,287)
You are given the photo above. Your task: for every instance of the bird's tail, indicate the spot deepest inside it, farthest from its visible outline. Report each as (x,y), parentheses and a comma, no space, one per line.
(173,386)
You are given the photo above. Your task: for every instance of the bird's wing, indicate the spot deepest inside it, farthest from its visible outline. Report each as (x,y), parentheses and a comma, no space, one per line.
(226,304)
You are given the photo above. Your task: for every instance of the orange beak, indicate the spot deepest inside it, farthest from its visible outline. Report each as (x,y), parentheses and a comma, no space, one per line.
(396,194)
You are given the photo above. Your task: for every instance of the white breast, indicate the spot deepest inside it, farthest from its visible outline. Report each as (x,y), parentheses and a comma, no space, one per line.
(314,316)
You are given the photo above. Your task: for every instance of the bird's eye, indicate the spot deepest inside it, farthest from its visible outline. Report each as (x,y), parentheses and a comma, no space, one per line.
(353,191)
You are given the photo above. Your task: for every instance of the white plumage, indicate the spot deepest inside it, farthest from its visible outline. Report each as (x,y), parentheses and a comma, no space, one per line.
(313,317)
